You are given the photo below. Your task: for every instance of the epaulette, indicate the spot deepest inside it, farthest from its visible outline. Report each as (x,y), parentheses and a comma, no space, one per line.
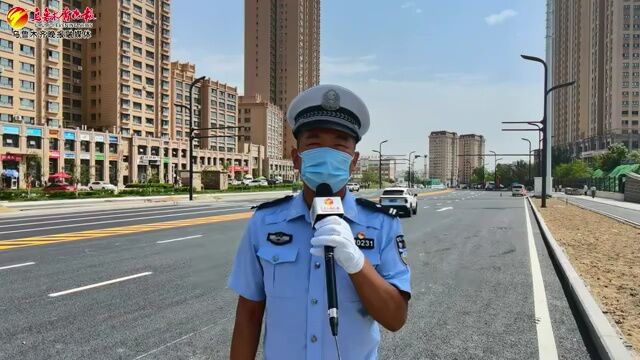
(272,203)
(376,207)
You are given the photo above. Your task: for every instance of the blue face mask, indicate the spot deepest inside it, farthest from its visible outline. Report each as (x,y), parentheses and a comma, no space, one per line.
(325,165)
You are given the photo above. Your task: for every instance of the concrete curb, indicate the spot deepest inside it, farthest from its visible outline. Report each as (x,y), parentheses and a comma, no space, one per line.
(604,213)
(608,343)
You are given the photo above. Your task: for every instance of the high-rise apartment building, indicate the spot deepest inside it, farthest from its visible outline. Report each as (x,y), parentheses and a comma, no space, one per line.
(127,68)
(597,44)
(282,52)
(262,124)
(470,150)
(371,163)
(215,106)
(30,73)
(443,157)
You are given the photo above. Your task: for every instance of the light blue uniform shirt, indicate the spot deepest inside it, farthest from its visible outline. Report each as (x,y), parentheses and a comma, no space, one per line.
(292,281)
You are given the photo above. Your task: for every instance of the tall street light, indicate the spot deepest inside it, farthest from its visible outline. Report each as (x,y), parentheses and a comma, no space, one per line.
(411,177)
(380,164)
(495,169)
(546,142)
(529,141)
(410,154)
(193,84)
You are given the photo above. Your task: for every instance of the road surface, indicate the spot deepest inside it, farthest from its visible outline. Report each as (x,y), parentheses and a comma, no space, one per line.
(150,283)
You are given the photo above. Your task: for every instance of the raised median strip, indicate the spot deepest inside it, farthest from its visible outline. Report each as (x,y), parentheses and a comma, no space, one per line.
(91,234)
(606,339)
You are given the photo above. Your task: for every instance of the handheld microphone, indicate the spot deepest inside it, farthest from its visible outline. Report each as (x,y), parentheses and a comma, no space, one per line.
(324,205)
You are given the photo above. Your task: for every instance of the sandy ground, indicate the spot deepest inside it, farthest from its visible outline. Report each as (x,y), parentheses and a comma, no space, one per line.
(606,253)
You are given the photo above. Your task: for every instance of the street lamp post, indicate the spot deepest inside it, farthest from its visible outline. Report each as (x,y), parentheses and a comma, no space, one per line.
(495,169)
(380,164)
(529,141)
(547,91)
(191,86)
(410,154)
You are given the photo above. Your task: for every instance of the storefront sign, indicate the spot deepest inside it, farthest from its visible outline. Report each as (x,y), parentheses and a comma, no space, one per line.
(113,139)
(53,132)
(68,155)
(165,160)
(85,137)
(10,157)
(99,138)
(113,157)
(149,159)
(100,157)
(85,156)
(234,168)
(68,135)
(13,130)
(34,132)
(54,154)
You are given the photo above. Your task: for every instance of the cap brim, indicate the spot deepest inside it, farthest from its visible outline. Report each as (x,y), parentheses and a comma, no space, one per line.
(326,124)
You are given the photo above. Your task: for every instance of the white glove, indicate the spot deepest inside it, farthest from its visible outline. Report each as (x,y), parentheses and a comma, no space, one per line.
(333,231)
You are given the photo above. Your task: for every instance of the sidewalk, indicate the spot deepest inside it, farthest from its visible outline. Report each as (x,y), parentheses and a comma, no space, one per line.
(623,211)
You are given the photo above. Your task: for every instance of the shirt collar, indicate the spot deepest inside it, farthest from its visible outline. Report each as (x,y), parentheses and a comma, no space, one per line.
(299,208)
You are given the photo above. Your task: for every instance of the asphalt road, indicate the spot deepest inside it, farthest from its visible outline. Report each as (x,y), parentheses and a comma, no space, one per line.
(472,282)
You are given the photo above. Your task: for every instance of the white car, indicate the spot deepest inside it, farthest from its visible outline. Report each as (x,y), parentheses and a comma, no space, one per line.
(101,185)
(518,190)
(258,182)
(401,199)
(353,187)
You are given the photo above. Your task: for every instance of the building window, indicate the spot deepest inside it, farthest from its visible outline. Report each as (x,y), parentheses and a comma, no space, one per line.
(6,45)
(27,104)
(6,100)
(137,120)
(6,82)
(27,50)
(53,55)
(53,72)
(27,85)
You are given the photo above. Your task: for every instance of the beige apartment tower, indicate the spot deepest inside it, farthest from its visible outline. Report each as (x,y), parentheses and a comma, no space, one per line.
(282,52)
(262,124)
(470,149)
(597,44)
(443,157)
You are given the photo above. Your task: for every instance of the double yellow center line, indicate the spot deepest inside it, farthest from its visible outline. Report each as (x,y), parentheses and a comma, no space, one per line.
(90,234)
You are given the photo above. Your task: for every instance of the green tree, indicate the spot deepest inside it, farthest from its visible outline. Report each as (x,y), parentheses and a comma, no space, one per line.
(85,175)
(634,157)
(574,170)
(34,166)
(616,154)
(479,175)
(369,177)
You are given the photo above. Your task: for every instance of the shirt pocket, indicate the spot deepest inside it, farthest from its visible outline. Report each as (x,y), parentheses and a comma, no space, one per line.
(346,289)
(283,275)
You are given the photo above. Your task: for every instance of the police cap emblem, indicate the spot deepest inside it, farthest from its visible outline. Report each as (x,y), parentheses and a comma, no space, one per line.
(331,100)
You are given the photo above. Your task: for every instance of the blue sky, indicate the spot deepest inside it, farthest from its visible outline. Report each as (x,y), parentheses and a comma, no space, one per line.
(419,65)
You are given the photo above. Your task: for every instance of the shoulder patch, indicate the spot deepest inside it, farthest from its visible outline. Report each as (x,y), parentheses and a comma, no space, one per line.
(272,203)
(376,207)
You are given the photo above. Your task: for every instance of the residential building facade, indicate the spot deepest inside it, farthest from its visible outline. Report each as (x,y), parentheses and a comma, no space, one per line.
(443,157)
(470,150)
(282,52)
(596,44)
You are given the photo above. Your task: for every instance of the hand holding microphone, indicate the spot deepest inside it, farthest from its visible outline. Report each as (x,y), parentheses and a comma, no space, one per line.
(335,232)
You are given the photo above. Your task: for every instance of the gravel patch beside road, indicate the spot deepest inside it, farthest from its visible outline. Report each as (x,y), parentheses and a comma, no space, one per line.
(606,253)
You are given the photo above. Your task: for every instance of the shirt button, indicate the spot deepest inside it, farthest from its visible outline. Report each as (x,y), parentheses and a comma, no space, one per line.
(313,338)
(314,301)
(275,258)
(316,265)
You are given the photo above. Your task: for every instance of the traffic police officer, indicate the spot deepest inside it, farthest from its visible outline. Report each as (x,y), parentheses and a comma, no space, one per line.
(278,271)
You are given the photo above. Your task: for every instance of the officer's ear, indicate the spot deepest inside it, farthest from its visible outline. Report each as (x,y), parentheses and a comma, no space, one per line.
(354,162)
(296,158)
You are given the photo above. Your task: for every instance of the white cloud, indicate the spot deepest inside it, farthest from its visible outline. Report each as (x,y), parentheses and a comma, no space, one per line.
(408,4)
(347,66)
(504,15)
(418,11)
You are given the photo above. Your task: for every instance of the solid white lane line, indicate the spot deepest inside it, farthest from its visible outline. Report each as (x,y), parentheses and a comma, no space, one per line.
(104,216)
(34,217)
(178,239)
(426,207)
(445,208)
(16,265)
(122,220)
(546,340)
(100,284)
